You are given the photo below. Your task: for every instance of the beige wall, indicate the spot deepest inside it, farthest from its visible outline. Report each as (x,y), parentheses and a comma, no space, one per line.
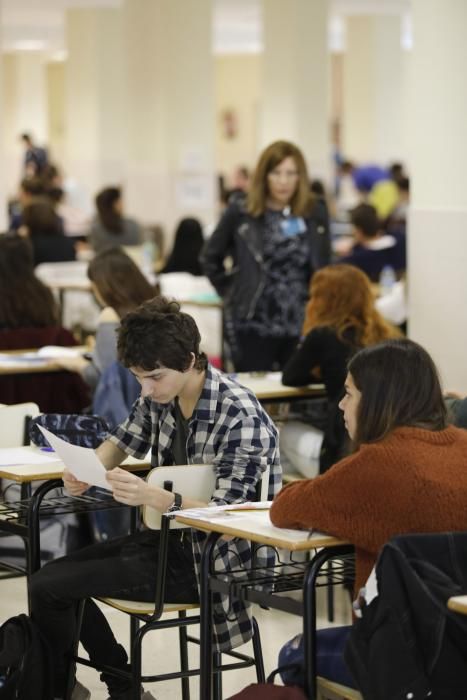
(56,102)
(12,151)
(237,88)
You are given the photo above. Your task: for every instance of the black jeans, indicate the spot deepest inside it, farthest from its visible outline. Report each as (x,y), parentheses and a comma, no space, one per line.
(122,568)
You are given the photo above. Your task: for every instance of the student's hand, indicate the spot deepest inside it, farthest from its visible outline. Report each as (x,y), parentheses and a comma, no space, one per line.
(128,488)
(72,485)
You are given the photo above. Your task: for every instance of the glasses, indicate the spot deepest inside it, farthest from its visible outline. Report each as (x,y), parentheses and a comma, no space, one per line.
(283,174)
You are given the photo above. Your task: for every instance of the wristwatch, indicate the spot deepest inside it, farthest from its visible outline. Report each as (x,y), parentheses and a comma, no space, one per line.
(177,504)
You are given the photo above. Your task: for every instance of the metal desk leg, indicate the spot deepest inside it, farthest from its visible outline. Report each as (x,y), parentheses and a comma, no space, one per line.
(206,653)
(33,522)
(309,612)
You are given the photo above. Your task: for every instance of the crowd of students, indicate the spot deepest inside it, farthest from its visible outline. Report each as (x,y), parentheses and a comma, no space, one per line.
(286,307)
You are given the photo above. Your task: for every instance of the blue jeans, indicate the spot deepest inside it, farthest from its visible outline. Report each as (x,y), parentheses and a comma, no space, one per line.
(330,662)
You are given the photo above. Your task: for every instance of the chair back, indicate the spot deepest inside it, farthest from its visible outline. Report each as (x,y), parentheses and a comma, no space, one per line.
(14,431)
(196,481)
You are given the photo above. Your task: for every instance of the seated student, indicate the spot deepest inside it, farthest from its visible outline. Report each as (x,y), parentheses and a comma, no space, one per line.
(111,227)
(407,473)
(340,318)
(374,249)
(119,286)
(29,319)
(188,413)
(456,405)
(45,231)
(186,250)
(29,190)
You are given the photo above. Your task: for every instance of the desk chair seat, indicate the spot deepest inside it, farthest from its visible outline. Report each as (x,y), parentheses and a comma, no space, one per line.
(199,482)
(328,690)
(135,607)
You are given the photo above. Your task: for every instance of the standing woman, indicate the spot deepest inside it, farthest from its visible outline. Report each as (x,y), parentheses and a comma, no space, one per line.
(276,240)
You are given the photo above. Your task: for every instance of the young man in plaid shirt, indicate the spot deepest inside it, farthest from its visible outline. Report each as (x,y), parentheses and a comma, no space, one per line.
(188,413)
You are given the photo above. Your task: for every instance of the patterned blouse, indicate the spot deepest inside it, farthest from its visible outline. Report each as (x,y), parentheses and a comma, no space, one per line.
(280,308)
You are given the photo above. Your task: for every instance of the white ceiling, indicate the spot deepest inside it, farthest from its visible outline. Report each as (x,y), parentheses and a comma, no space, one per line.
(39,24)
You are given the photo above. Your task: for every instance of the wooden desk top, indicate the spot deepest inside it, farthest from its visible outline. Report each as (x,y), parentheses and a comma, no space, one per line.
(29,362)
(458,603)
(256,526)
(24,473)
(269,386)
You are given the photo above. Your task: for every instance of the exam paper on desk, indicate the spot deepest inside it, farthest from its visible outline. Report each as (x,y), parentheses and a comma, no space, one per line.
(82,462)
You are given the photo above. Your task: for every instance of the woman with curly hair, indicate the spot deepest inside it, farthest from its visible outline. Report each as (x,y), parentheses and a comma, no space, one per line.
(340,319)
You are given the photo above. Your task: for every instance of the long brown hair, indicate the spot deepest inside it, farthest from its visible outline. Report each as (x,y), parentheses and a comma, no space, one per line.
(399,386)
(302,200)
(342,298)
(119,280)
(25,302)
(109,217)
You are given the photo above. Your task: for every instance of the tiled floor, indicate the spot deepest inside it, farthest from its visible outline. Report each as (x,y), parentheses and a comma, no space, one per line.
(161,649)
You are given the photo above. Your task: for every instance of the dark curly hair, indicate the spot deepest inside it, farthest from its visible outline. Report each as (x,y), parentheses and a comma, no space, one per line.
(158,334)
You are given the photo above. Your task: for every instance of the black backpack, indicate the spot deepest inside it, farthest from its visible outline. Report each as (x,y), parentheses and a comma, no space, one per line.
(25,662)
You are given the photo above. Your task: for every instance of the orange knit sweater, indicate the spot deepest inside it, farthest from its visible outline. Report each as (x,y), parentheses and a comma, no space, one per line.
(414,480)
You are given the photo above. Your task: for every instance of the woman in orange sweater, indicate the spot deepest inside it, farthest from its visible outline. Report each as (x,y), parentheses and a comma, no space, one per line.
(407,472)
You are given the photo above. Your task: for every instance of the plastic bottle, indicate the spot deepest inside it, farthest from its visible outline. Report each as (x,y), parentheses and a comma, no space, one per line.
(148,259)
(387,279)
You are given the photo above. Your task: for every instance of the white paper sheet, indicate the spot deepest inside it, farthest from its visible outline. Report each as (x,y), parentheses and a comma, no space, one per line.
(12,456)
(81,461)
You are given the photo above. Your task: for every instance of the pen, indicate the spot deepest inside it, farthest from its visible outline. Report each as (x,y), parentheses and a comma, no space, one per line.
(47,449)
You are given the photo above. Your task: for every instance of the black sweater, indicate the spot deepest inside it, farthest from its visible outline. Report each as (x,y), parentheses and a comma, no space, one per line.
(322,349)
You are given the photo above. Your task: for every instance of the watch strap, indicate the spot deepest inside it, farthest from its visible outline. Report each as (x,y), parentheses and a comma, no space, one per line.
(177,504)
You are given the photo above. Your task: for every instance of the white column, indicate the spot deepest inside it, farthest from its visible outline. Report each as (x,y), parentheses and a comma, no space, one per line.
(24,109)
(3,194)
(438,219)
(373,89)
(296,79)
(170,76)
(95,139)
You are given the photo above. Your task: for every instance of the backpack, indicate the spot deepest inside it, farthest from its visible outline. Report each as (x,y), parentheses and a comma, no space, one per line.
(25,662)
(82,430)
(269,691)
(85,431)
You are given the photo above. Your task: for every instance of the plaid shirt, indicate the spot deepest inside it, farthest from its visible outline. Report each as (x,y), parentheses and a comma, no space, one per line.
(230,430)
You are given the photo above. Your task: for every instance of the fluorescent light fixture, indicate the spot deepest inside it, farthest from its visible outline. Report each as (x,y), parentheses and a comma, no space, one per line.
(28,45)
(59,56)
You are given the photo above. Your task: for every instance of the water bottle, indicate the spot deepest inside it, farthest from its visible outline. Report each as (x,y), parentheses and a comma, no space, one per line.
(148,259)
(387,279)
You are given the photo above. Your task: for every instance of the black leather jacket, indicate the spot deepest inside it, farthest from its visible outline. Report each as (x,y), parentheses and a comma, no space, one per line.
(240,237)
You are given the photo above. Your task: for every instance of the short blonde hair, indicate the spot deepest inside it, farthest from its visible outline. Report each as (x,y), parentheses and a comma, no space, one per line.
(302,200)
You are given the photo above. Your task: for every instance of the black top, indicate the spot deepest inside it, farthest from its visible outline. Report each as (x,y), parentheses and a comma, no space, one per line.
(322,349)
(179,442)
(57,248)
